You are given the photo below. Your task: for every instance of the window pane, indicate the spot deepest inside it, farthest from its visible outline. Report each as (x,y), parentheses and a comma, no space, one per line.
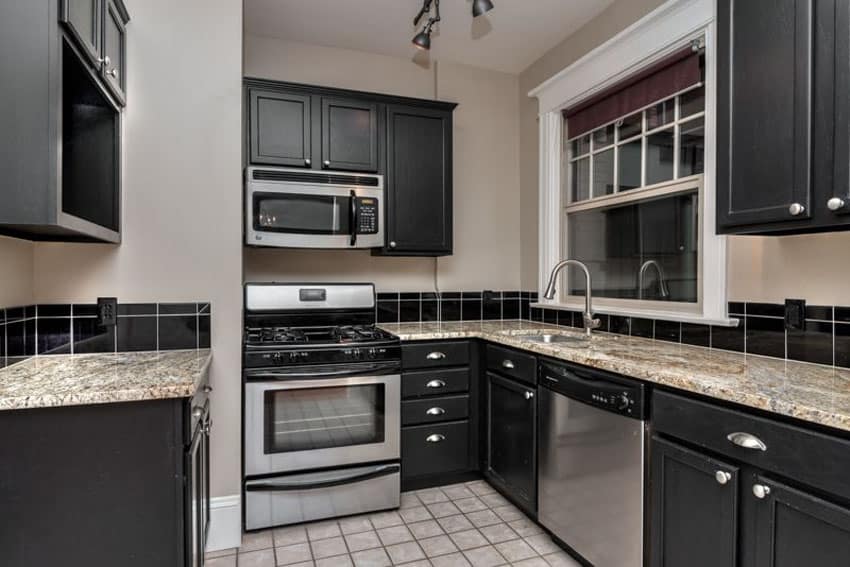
(630,126)
(660,114)
(692,102)
(629,168)
(615,242)
(581,180)
(580,146)
(603,173)
(692,148)
(603,137)
(659,157)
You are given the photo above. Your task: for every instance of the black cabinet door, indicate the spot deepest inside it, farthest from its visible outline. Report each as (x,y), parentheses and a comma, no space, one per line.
(797,528)
(280,128)
(694,499)
(114,61)
(764,114)
(835,202)
(419,181)
(512,439)
(349,135)
(82,20)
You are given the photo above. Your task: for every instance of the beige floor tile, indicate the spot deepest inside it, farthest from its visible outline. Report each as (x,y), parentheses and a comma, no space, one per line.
(289,535)
(257,540)
(385,519)
(431,496)
(261,558)
(428,528)
(420,563)
(497,533)
(336,561)
(301,564)
(473,504)
(515,550)
(395,534)
(484,557)
(323,530)
(508,513)
(456,491)
(295,553)
(531,562)
(561,559)
(437,545)
(442,509)
(483,518)
(455,523)
(371,558)
(409,500)
(328,547)
(362,540)
(404,552)
(542,544)
(525,527)
(415,514)
(450,560)
(224,561)
(468,539)
(480,487)
(355,524)
(220,553)
(494,500)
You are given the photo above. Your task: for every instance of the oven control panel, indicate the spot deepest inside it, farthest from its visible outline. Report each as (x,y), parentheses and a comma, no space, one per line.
(298,357)
(367,215)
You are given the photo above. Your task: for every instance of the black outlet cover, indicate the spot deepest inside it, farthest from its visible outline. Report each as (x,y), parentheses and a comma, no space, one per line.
(795,314)
(107,311)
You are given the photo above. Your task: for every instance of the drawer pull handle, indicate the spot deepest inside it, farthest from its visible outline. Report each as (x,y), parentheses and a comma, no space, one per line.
(747,441)
(435,384)
(435,438)
(722,477)
(509,364)
(436,411)
(436,355)
(529,395)
(760,490)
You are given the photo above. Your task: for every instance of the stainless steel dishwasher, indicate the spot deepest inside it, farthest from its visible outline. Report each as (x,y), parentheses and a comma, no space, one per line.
(591,463)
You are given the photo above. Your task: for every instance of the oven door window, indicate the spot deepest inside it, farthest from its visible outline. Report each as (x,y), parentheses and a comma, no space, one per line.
(302,214)
(322,418)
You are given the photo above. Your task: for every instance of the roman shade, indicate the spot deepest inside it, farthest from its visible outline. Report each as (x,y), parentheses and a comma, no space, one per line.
(664,78)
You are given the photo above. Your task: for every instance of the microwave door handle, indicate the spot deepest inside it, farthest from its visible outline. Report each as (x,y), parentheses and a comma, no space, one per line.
(353,217)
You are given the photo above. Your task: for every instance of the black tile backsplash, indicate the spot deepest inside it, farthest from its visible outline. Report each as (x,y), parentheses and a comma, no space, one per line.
(63,328)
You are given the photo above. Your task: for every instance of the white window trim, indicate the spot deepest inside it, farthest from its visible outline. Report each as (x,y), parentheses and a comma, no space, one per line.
(653,37)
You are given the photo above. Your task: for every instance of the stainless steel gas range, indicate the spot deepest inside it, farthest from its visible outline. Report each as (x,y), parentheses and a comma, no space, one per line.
(322,404)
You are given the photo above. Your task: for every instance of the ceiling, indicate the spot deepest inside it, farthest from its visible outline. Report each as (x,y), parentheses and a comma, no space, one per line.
(508,38)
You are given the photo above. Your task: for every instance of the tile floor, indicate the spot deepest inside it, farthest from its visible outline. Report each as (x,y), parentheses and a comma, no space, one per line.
(461,525)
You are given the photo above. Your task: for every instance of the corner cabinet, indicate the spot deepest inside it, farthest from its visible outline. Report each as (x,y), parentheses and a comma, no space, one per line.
(64,75)
(407,140)
(783,125)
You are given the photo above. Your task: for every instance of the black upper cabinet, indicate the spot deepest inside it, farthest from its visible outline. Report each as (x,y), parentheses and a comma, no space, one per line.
(280,128)
(419,181)
(64,72)
(349,135)
(782,122)
(694,503)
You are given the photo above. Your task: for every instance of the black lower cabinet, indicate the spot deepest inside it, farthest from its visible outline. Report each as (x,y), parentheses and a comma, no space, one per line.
(512,440)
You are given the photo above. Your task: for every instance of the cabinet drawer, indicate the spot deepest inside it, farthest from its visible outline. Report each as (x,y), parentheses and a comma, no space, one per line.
(805,456)
(434,382)
(434,449)
(431,410)
(430,355)
(512,363)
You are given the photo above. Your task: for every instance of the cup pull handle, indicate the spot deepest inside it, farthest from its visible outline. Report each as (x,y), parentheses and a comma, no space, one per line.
(747,441)
(509,364)
(435,384)
(435,438)
(435,411)
(436,355)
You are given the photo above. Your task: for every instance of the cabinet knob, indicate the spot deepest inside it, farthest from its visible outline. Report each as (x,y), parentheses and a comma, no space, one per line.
(112,72)
(105,60)
(760,490)
(435,384)
(326,163)
(308,161)
(835,204)
(509,364)
(207,388)
(392,244)
(529,395)
(435,411)
(197,412)
(208,427)
(435,438)
(796,209)
(722,477)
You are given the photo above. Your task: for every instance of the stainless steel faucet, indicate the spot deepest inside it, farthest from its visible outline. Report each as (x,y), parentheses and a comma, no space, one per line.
(589,322)
(662,281)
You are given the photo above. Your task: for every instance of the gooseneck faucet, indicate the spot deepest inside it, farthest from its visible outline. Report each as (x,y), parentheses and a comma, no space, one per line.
(662,281)
(589,322)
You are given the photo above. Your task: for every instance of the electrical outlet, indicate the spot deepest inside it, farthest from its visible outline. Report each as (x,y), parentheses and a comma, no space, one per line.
(795,314)
(107,311)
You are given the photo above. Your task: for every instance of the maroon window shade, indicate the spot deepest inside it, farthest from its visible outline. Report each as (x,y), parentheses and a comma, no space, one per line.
(664,78)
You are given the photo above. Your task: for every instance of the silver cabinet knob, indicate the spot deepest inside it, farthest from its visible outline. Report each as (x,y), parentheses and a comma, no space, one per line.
(207,388)
(435,384)
(435,438)
(747,441)
(112,73)
(796,209)
(529,395)
(835,204)
(760,490)
(722,477)
(392,244)
(208,427)
(435,411)
(308,161)
(509,364)
(197,412)
(436,355)
(326,163)
(105,61)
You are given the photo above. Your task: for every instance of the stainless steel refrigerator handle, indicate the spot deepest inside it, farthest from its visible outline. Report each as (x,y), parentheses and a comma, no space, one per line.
(747,441)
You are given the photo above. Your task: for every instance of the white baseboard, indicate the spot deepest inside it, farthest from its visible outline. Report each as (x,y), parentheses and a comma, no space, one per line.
(225,523)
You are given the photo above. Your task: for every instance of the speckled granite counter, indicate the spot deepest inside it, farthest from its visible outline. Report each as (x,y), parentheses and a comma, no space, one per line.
(81,379)
(810,392)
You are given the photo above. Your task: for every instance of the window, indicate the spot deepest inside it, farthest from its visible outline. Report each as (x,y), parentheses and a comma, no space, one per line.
(633,212)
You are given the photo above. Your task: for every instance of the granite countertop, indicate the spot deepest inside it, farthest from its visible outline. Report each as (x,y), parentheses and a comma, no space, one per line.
(810,392)
(81,379)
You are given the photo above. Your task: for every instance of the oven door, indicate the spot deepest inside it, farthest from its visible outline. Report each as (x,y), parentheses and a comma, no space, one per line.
(300,216)
(303,421)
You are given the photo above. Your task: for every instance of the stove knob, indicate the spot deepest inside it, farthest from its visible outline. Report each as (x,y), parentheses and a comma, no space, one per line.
(623,402)
(276,357)
(372,353)
(355,353)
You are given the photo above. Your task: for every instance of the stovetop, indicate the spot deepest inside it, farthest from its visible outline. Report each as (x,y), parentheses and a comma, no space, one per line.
(315,336)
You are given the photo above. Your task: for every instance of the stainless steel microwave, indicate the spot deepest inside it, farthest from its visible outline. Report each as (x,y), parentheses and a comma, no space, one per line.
(294,208)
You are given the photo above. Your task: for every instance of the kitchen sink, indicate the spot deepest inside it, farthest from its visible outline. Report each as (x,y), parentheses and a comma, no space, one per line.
(552,338)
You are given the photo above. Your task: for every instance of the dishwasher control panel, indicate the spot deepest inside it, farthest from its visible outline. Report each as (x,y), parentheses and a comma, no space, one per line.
(601,389)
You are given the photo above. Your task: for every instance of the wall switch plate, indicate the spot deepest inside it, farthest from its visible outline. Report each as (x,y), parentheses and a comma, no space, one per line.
(795,314)
(107,311)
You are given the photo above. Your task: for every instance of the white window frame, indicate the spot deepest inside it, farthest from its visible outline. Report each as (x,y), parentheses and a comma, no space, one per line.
(665,30)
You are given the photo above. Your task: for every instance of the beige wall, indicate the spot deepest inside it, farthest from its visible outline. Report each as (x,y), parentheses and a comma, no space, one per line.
(182,194)
(486,168)
(760,268)
(16,259)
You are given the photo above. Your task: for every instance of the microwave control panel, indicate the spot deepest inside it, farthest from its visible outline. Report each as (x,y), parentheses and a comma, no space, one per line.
(367,215)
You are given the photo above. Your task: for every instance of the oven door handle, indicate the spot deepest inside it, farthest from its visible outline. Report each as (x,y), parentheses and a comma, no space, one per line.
(359,371)
(379,471)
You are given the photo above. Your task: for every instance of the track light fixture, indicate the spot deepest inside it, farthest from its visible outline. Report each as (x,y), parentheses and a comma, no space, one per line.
(422,40)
